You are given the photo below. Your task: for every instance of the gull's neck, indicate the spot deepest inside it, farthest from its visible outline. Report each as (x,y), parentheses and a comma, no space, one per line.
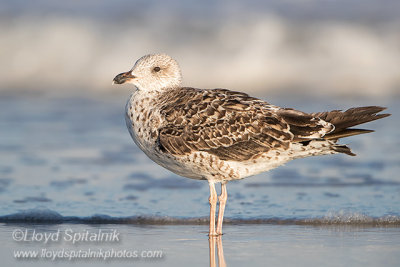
(155,90)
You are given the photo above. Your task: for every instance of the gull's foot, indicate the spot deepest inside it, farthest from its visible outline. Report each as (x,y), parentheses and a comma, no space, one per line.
(214,234)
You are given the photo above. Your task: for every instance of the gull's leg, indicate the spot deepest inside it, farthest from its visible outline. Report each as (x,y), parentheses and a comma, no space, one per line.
(213,205)
(222,201)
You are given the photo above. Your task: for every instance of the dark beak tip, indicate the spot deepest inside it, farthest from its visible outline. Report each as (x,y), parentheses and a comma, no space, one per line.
(117,80)
(123,77)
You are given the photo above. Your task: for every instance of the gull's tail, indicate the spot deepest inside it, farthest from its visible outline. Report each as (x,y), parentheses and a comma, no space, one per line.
(344,120)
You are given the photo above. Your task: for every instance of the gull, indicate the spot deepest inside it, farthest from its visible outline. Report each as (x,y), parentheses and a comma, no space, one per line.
(219,135)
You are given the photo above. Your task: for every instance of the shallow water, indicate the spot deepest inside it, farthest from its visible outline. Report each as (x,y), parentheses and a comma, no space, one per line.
(71,160)
(74,156)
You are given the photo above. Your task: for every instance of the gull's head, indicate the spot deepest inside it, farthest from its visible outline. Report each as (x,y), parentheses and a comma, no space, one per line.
(152,72)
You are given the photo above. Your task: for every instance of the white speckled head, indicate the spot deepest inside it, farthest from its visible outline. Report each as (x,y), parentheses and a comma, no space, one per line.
(152,72)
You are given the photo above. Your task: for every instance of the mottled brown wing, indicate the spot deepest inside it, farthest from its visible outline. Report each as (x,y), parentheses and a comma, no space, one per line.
(229,140)
(230,125)
(305,126)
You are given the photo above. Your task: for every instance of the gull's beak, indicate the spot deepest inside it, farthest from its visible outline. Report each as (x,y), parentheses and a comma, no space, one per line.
(123,77)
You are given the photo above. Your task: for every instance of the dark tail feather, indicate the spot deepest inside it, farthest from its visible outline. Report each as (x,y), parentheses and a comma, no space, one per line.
(343,120)
(346,133)
(343,149)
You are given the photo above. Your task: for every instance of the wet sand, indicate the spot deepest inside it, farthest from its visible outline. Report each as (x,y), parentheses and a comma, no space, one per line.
(189,245)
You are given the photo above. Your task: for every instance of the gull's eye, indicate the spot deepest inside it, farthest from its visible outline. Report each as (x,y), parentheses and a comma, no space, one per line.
(157,69)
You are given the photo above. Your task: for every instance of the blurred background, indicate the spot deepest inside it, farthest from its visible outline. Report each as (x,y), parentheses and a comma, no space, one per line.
(64,145)
(337,48)
(66,155)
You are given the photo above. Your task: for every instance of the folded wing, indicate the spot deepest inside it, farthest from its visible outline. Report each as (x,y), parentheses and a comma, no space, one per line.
(232,125)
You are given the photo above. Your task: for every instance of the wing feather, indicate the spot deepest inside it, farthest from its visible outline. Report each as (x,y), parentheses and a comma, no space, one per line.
(231,125)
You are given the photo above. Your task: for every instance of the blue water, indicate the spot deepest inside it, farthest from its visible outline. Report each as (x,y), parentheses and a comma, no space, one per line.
(71,159)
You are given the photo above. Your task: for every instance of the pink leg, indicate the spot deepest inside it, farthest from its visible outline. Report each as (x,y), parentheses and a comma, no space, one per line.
(222,201)
(213,205)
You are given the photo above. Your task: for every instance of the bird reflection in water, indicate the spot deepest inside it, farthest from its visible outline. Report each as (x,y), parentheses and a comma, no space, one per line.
(212,240)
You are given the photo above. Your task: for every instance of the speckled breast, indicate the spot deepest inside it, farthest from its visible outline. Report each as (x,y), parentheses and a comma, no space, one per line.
(142,120)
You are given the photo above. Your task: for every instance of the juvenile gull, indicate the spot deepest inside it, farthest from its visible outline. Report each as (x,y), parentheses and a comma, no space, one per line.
(220,135)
